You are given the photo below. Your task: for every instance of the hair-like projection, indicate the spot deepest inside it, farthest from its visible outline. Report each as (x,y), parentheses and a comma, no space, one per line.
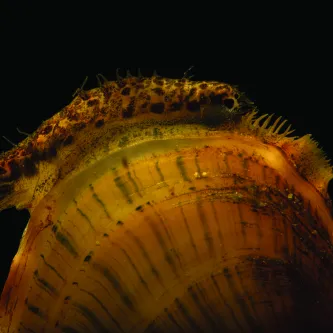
(168,205)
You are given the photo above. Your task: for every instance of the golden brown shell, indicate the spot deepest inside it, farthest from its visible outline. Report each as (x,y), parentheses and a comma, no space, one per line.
(194,218)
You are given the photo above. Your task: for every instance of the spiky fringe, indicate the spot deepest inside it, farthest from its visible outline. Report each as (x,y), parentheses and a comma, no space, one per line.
(271,134)
(304,153)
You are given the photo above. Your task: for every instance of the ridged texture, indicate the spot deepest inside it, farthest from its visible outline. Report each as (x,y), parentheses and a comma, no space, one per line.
(194,218)
(207,238)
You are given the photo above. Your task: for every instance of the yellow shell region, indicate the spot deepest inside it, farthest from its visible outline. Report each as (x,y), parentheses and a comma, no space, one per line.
(163,205)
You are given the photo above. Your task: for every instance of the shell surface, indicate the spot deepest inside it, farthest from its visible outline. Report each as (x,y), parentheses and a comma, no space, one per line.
(162,205)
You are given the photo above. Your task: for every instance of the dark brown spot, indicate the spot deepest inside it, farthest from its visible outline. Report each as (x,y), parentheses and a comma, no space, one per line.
(158,81)
(121,83)
(2,171)
(176,106)
(124,161)
(204,99)
(29,148)
(36,156)
(87,258)
(128,112)
(144,105)
(15,172)
(99,123)
(83,94)
(217,99)
(180,97)
(158,91)
(120,223)
(5,189)
(192,91)
(203,85)
(126,91)
(139,208)
(104,110)
(193,106)
(167,98)
(29,168)
(47,129)
(107,93)
(178,84)
(157,108)
(51,152)
(173,93)
(229,103)
(72,116)
(69,140)
(93,102)
(79,126)
(219,88)
(57,142)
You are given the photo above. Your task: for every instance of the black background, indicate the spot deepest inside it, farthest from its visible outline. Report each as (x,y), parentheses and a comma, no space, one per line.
(46,57)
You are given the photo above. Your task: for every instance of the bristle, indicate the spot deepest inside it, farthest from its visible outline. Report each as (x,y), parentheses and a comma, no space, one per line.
(118,77)
(310,161)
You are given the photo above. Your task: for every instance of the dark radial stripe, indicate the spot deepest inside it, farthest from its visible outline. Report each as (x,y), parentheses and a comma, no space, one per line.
(190,234)
(174,321)
(68,329)
(91,317)
(181,167)
(164,323)
(201,308)
(27,329)
(286,237)
(278,321)
(158,169)
(215,316)
(167,255)
(115,282)
(99,201)
(45,285)
(243,224)
(142,280)
(151,328)
(52,268)
(188,318)
(246,292)
(232,313)
(197,165)
(114,320)
(207,233)
(84,328)
(64,241)
(145,254)
(219,232)
(35,310)
(252,322)
(137,179)
(245,165)
(58,254)
(133,182)
(121,184)
(109,294)
(226,162)
(84,215)
(276,235)
(169,235)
